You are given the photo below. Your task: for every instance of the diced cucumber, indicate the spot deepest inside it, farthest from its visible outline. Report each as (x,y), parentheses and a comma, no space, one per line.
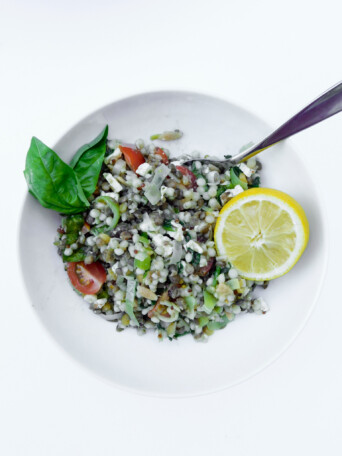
(144,240)
(234,284)
(213,325)
(209,302)
(171,329)
(202,321)
(144,264)
(190,302)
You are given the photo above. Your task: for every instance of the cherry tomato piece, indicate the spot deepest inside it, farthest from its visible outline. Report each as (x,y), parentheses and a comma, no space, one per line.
(134,158)
(164,157)
(87,278)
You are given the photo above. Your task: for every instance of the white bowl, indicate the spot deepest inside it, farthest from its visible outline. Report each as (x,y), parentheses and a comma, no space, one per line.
(182,367)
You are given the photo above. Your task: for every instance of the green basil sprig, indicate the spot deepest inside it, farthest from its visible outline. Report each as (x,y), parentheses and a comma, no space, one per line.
(61,187)
(53,182)
(87,162)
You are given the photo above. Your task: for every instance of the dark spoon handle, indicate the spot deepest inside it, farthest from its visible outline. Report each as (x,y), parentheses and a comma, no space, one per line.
(323,107)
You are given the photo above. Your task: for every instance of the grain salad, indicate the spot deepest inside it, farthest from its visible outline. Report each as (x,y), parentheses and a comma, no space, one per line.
(142,254)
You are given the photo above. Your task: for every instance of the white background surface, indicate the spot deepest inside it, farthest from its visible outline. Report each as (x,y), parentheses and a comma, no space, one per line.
(60,61)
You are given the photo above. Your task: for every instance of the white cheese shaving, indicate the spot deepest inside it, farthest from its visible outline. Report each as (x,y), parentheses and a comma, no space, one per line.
(114,184)
(234,191)
(163,244)
(247,171)
(194,246)
(167,191)
(144,169)
(113,195)
(178,234)
(147,225)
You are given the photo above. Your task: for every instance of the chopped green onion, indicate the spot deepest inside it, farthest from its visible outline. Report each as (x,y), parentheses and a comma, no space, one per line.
(114,207)
(235,180)
(129,303)
(216,274)
(167,135)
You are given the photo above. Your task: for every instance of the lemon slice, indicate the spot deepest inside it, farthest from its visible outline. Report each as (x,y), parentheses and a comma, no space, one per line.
(262,232)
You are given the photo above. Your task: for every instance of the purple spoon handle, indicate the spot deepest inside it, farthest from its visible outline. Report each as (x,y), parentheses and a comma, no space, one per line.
(323,107)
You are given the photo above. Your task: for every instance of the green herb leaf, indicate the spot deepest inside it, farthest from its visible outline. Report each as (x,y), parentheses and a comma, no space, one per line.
(78,255)
(177,335)
(196,257)
(234,178)
(256,182)
(53,182)
(187,237)
(88,160)
(71,238)
(216,274)
(167,226)
(72,223)
(220,189)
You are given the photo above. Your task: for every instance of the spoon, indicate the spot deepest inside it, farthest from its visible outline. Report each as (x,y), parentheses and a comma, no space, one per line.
(323,107)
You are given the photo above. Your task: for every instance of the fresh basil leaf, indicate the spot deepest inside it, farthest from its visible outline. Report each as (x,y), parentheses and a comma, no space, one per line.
(88,160)
(52,181)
